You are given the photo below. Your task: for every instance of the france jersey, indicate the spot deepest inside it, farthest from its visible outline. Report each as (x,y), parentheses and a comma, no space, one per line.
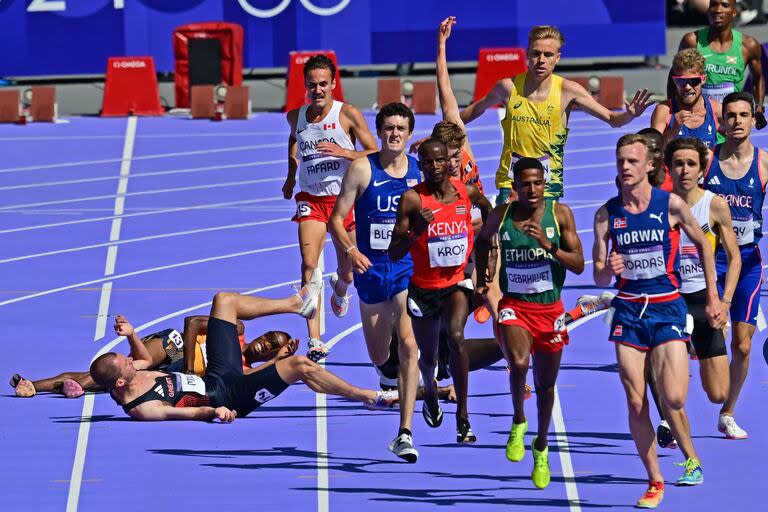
(706,132)
(649,248)
(744,197)
(375,213)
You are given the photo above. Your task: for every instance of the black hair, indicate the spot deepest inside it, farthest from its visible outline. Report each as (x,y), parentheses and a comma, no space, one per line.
(526,163)
(395,109)
(431,141)
(739,96)
(319,62)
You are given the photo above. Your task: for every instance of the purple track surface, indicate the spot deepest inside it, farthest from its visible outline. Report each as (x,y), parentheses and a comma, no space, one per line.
(203,212)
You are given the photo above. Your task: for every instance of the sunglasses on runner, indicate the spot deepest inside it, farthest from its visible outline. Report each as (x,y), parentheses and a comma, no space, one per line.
(695,80)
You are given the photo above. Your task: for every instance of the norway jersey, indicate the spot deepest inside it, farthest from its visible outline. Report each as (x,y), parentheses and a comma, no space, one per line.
(376,208)
(744,197)
(321,174)
(440,254)
(706,132)
(646,244)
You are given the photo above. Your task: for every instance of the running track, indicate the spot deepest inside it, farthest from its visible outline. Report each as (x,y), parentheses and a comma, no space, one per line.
(150,217)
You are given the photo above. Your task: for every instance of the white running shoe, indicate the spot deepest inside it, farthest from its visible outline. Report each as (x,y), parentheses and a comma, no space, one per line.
(339,304)
(590,304)
(402,446)
(384,400)
(727,425)
(309,293)
(317,350)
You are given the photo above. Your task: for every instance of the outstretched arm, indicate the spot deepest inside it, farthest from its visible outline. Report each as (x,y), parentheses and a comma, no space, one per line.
(499,95)
(579,96)
(155,411)
(448,103)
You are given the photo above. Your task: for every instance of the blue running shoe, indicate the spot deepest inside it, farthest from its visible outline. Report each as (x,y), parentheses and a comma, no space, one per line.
(693,475)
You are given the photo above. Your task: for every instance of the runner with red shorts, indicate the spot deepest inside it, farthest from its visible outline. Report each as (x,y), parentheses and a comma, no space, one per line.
(434,222)
(320,148)
(538,244)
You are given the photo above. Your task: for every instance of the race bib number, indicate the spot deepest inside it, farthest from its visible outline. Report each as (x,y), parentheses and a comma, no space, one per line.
(175,338)
(191,384)
(545,162)
(643,263)
(534,277)
(475,212)
(381,233)
(718,92)
(690,265)
(447,250)
(744,229)
(302,209)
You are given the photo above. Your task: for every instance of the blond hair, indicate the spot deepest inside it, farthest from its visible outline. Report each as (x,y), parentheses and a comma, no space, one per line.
(545,32)
(449,133)
(688,60)
(634,138)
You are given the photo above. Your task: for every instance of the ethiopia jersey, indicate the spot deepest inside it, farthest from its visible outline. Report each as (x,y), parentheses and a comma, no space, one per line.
(440,254)
(725,71)
(529,272)
(534,129)
(321,174)
(647,245)
(376,208)
(744,197)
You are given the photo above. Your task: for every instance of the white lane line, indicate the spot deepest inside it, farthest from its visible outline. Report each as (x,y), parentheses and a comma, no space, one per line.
(146,136)
(176,154)
(321,424)
(144,271)
(86,415)
(144,193)
(144,239)
(218,167)
(205,206)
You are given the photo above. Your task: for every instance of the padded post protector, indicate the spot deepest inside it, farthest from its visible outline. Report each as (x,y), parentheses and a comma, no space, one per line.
(131,88)
(296,95)
(388,90)
(230,36)
(424,97)
(237,102)
(10,107)
(493,64)
(43,107)
(203,102)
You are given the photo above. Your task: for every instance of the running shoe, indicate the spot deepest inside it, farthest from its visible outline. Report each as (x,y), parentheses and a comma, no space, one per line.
(693,475)
(540,474)
(23,387)
(464,432)
(317,350)
(384,400)
(515,444)
(339,304)
(308,294)
(653,496)
(70,388)
(402,446)
(664,436)
(590,304)
(433,415)
(727,425)
(482,314)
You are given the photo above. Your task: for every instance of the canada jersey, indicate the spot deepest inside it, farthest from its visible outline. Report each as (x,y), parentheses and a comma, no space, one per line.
(691,270)
(376,208)
(646,244)
(321,174)
(744,197)
(440,253)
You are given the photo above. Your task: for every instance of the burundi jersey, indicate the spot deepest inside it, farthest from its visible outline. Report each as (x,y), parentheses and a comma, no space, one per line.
(536,130)
(321,174)
(691,271)
(647,245)
(529,272)
(376,208)
(744,197)
(726,72)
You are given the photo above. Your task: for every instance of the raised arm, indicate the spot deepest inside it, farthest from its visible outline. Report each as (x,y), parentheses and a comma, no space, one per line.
(499,95)
(293,161)
(448,103)
(680,215)
(722,225)
(576,94)
(353,185)
(142,359)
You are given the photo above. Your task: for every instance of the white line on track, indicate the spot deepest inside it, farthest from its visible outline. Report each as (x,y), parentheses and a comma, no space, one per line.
(206,206)
(176,154)
(218,167)
(321,427)
(144,238)
(86,415)
(144,271)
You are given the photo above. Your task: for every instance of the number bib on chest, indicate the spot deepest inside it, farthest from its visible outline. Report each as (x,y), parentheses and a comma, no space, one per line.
(175,338)
(718,91)
(381,233)
(447,250)
(744,229)
(643,263)
(690,265)
(191,384)
(545,162)
(534,277)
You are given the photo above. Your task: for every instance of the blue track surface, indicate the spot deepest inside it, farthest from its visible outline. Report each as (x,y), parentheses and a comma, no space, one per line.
(203,212)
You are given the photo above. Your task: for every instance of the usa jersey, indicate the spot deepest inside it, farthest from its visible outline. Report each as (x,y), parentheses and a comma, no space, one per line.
(376,208)
(649,248)
(744,197)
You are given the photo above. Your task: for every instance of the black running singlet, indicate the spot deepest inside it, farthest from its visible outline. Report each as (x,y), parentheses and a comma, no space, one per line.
(176,389)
